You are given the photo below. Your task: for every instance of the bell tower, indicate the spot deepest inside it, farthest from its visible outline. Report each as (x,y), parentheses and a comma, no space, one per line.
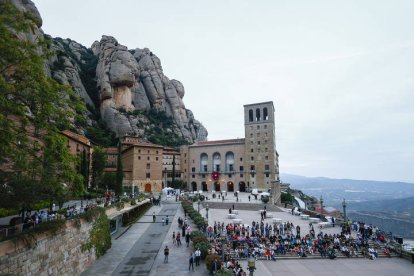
(260,156)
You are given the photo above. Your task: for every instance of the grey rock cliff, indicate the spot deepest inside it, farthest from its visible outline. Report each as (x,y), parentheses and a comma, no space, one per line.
(122,84)
(134,80)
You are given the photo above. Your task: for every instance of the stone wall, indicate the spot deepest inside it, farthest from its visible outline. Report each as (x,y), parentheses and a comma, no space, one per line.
(58,254)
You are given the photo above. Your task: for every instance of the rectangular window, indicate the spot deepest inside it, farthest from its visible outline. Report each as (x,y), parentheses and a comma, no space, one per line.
(241,175)
(193,169)
(265,149)
(241,168)
(139,151)
(148,151)
(217,168)
(203,176)
(231,167)
(267,174)
(251,135)
(267,167)
(148,175)
(252,158)
(156,158)
(193,176)
(241,159)
(148,158)
(252,167)
(251,150)
(139,157)
(258,142)
(265,134)
(258,127)
(204,168)
(148,166)
(266,157)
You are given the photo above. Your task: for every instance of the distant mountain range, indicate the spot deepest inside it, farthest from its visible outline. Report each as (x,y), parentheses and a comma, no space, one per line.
(389,205)
(333,191)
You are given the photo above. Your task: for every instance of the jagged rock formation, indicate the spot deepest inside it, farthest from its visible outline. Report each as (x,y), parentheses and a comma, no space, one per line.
(134,80)
(124,85)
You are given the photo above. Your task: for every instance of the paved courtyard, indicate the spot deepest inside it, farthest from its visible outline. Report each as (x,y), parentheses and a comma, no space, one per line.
(139,251)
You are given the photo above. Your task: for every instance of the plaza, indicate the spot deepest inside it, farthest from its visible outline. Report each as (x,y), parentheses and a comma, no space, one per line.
(139,250)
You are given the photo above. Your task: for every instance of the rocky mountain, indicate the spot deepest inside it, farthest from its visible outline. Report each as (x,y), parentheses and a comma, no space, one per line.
(125,91)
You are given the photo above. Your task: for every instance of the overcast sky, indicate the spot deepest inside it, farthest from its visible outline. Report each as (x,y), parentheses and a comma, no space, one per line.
(340,73)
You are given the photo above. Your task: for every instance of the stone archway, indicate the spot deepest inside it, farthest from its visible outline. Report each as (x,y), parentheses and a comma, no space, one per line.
(230,186)
(242,186)
(204,186)
(194,186)
(217,187)
(148,188)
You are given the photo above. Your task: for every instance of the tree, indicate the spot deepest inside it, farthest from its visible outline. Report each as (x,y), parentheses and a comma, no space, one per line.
(34,161)
(119,172)
(84,168)
(109,180)
(99,158)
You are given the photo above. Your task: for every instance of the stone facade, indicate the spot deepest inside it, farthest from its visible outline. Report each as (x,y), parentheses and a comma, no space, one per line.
(225,157)
(169,157)
(142,164)
(237,164)
(58,254)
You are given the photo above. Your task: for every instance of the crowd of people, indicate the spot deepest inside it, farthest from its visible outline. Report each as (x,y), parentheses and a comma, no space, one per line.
(269,240)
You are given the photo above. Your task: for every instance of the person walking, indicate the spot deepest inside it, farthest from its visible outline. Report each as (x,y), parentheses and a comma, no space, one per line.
(197,256)
(178,238)
(163,221)
(187,239)
(153,217)
(166,220)
(166,253)
(191,262)
(174,240)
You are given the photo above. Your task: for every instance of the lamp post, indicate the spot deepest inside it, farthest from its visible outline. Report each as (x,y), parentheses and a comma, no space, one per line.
(207,212)
(198,205)
(251,265)
(344,206)
(321,201)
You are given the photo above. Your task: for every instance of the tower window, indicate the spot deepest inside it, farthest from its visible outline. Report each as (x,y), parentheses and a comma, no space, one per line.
(250,115)
(257,114)
(265,115)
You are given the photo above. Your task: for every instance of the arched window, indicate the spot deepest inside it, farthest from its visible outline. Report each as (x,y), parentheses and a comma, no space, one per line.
(216,161)
(203,162)
(257,114)
(250,115)
(229,161)
(265,115)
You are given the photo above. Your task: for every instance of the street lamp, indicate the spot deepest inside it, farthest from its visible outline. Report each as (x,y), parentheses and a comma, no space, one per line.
(321,201)
(207,212)
(344,206)
(251,265)
(198,205)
